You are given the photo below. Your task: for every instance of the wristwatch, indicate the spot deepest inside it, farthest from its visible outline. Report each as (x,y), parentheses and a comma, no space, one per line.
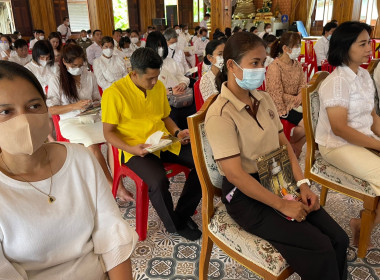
(170,90)
(303,181)
(176,132)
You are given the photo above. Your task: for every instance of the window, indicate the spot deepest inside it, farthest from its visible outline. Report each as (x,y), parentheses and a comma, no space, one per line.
(78,14)
(7,25)
(170,3)
(368,12)
(323,10)
(198,9)
(120,14)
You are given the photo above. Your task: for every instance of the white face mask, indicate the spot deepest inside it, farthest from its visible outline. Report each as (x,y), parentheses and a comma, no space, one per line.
(125,50)
(134,40)
(42,37)
(178,31)
(43,63)
(160,51)
(219,62)
(108,52)
(19,37)
(268,30)
(186,31)
(75,71)
(84,39)
(4,46)
(173,46)
(295,53)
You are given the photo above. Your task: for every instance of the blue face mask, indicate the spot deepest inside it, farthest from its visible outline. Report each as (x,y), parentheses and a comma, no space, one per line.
(203,39)
(328,37)
(252,78)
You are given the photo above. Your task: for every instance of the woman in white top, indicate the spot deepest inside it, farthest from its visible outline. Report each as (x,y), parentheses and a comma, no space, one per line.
(347,124)
(22,56)
(269,39)
(42,64)
(321,47)
(5,48)
(200,44)
(214,58)
(58,218)
(136,42)
(109,67)
(56,42)
(125,47)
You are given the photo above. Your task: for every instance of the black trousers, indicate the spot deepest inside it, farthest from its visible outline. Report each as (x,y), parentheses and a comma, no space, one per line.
(315,248)
(151,169)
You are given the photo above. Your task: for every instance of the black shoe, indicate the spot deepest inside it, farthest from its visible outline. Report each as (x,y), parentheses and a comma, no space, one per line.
(190,234)
(191,224)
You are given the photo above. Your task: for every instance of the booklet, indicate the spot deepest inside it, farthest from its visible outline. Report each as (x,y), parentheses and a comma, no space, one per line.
(91,109)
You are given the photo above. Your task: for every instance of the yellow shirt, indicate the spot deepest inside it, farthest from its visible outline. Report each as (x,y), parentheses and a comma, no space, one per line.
(136,116)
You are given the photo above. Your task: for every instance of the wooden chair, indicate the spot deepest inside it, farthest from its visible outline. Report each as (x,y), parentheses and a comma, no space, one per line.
(372,65)
(371,68)
(330,177)
(218,227)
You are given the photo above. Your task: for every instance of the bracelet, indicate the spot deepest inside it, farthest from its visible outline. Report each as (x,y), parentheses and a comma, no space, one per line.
(303,181)
(170,90)
(176,132)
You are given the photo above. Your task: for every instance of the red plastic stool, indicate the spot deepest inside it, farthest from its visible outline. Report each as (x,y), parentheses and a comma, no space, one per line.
(288,126)
(198,95)
(142,198)
(58,134)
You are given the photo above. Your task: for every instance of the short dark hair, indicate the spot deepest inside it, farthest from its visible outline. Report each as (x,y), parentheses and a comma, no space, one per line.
(207,15)
(9,70)
(342,39)
(266,25)
(196,29)
(227,31)
(96,30)
(253,28)
(236,29)
(123,41)
(210,48)
(269,38)
(155,40)
(20,43)
(144,58)
(64,18)
(128,30)
(16,32)
(43,47)
(40,31)
(71,41)
(175,25)
(203,30)
(116,30)
(107,39)
(135,31)
(328,26)
(88,31)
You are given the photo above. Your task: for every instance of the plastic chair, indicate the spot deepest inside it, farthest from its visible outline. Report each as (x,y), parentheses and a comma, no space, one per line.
(309,51)
(58,134)
(142,198)
(325,66)
(200,66)
(198,95)
(287,126)
(100,91)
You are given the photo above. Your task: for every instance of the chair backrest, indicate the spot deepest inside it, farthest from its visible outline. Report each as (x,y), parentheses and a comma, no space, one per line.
(198,95)
(372,65)
(60,138)
(207,170)
(309,51)
(200,67)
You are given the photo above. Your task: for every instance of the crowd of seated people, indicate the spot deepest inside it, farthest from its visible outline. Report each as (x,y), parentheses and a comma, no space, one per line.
(139,76)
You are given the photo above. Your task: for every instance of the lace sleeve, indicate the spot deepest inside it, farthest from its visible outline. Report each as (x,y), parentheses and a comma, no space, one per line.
(207,87)
(335,93)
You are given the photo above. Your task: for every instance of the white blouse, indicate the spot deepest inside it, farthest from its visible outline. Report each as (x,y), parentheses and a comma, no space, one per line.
(171,74)
(207,85)
(200,47)
(79,236)
(135,47)
(88,89)
(43,74)
(356,93)
(5,56)
(109,70)
(20,60)
(179,56)
(321,49)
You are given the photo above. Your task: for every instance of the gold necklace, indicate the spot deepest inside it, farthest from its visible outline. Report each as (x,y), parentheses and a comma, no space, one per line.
(51,198)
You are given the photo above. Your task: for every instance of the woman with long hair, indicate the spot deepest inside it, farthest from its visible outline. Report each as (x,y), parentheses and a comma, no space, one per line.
(6,49)
(56,42)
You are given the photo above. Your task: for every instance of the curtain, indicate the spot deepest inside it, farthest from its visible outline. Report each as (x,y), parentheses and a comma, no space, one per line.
(310,8)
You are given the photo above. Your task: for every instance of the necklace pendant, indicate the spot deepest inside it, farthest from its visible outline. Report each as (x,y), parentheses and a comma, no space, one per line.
(51,199)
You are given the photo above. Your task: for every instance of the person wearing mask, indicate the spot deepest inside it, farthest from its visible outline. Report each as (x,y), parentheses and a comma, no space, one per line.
(65,29)
(116,35)
(321,47)
(23,57)
(141,94)
(125,47)
(135,40)
(83,41)
(347,123)
(18,34)
(177,54)
(196,35)
(183,43)
(109,67)
(269,40)
(149,30)
(39,35)
(53,195)
(267,30)
(284,83)
(254,30)
(203,23)
(95,50)
(213,58)
(89,34)
(6,48)
(200,44)
(42,64)
(240,130)
(174,80)
(56,42)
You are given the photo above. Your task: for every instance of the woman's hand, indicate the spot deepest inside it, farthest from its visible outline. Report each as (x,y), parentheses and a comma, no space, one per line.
(184,134)
(139,150)
(180,88)
(298,100)
(81,104)
(294,209)
(309,198)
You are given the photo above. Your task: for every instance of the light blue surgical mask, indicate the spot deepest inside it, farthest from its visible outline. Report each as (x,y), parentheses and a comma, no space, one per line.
(328,37)
(203,39)
(252,78)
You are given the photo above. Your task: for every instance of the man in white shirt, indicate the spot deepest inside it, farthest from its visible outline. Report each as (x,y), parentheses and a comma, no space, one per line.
(116,35)
(38,35)
(95,50)
(184,44)
(177,54)
(267,29)
(205,20)
(64,29)
(321,47)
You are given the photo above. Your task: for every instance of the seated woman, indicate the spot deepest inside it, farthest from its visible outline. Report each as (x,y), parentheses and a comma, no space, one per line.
(71,92)
(214,58)
(125,47)
(58,217)
(109,67)
(284,82)
(269,39)
(172,77)
(314,245)
(347,124)
(42,64)
(321,47)
(200,44)
(6,49)
(135,39)
(56,42)
(22,56)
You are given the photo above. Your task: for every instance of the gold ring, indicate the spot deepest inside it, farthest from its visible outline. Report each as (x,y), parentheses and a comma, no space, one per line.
(303,218)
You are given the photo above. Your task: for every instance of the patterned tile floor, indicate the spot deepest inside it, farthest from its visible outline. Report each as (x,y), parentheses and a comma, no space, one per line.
(167,256)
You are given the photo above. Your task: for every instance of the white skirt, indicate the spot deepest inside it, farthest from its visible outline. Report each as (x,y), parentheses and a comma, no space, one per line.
(86,130)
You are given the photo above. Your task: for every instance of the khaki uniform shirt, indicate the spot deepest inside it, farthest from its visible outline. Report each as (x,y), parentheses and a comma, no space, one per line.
(233,129)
